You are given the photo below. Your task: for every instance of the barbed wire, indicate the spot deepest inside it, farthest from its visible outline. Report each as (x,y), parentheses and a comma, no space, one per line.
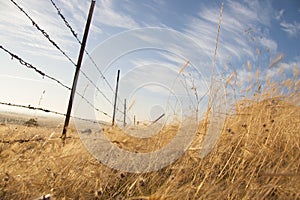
(32,108)
(84,74)
(43,74)
(53,43)
(90,104)
(87,53)
(28,65)
(49,111)
(65,21)
(76,37)
(43,32)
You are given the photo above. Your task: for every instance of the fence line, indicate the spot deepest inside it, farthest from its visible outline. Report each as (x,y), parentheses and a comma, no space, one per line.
(28,65)
(43,32)
(84,74)
(87,53)
(32,108)
(53,43)
(76,37)
(43,74)
(49,111)
(65,21)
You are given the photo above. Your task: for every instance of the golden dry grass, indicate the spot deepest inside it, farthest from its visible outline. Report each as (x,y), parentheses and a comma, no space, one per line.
(257,157)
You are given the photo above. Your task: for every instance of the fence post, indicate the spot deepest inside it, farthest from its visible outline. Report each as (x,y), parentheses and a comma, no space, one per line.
(116,95)
(161,116)
(79,61)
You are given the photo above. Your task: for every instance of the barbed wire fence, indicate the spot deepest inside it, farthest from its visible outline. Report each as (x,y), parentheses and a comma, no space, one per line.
(52,78)
(49,111)
(57,47)
(75,35)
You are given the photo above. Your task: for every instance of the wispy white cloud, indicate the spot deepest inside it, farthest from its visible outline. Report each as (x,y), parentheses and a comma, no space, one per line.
(233,40)
(270,44)
(263,9)
(291,28)
(177,61)
(162,58)
(25,36)
(110,16)
(279,14)
(282,68)
(142,61)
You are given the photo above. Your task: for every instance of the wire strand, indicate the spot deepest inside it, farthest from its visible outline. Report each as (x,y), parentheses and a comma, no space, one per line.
(43,74)
(54,44)
(76,37)
(88,54)
(49,111)
(28,65)
(43,32)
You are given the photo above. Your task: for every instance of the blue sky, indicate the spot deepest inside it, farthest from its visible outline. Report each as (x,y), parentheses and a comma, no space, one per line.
(272,27)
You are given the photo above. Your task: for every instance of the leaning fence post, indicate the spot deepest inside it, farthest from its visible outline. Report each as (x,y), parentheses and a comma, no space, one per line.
(79,61)
(116,96)
(161,116)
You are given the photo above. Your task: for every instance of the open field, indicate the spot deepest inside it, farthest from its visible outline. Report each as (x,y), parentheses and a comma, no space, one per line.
(256,157)
(177,78)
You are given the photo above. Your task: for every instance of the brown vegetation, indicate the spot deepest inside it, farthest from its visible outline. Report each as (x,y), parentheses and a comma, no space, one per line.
(257,157)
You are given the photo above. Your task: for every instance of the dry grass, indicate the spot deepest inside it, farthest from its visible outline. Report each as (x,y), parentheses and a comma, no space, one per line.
(257,157)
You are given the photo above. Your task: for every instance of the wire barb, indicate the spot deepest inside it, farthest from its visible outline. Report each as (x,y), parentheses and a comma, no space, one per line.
(28,65)
(65,21)
(43,32)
